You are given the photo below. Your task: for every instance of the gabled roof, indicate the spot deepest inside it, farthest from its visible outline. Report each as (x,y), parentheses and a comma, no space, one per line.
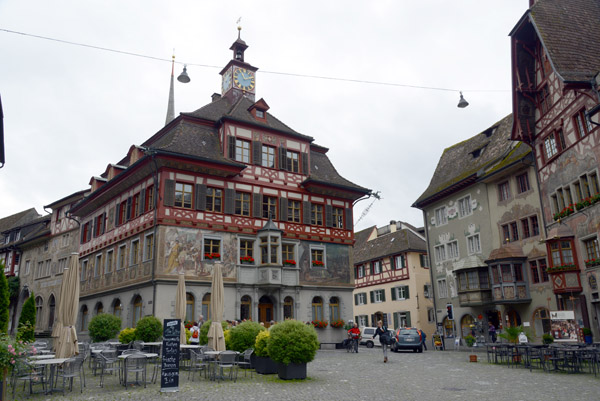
(18,219)
(322,171)
(385,245)
(570,32)
(465,162)
(239,111)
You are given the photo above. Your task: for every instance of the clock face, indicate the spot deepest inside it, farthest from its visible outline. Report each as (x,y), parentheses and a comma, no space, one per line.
(226,84)
(244,79)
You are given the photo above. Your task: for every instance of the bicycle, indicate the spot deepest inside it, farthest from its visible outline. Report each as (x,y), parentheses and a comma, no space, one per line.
(351,344)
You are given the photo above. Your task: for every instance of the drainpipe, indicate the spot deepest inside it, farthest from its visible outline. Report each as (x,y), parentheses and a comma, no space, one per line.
(152,154)
(433,290)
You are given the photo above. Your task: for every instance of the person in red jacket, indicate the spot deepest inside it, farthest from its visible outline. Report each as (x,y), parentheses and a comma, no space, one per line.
(354,334)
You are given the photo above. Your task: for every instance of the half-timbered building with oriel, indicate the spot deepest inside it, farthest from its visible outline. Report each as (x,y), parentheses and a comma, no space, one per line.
(226,184)
(483,225)
(392,278)
(555,80)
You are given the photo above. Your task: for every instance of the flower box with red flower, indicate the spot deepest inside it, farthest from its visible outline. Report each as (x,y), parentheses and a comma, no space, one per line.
(567,211)
(247,260)
(289,262)
(319,324)
(214,255)
(338,324)
(568,267)
(318,263)
(592,262)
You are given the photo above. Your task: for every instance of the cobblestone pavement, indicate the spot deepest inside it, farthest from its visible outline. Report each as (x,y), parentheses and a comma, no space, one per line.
(338,375)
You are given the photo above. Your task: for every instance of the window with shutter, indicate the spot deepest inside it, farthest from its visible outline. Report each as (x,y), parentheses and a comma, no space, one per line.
(349,222)
(372,296)
(329,216)
(169,193)
(304,159)
(256,153)
(283,209)
(355,299)
(200,197)
(230,201)
(408,323)
(142,207)
(257,205)
(282,158)
(306,212)
(231,143)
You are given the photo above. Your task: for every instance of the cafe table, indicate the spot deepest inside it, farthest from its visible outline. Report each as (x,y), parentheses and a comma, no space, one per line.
(122,357)
(40,357)
(52,363)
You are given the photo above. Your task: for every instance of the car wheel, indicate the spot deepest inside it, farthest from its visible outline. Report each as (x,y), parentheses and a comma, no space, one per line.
(370,344)
(414,350)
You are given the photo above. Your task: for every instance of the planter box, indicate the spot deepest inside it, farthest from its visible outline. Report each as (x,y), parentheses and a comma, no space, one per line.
(472,358)
(264,365)
(292,371)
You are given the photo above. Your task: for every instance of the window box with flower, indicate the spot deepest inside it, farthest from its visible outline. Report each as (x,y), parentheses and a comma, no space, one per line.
(318,263)
(319,324)
(289,262)
(247,260)
(338,324)
(567,211)
(212,256)
(568,267)
(592,262)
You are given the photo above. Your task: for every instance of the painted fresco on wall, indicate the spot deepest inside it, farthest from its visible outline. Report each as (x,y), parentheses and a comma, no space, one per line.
(184,252)
(335,271)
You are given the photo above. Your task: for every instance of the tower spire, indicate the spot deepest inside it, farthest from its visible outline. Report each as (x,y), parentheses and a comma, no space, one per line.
(171,105)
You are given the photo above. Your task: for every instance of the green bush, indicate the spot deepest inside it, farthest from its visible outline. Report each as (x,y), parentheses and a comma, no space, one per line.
(227,338)
(148,329)
(262,341)
(104,326)
(14,284)
(292,341)
(586,331)
(188,334)
(203,336)
(243,336)
(127,335)
(27,319)
(547,338)
(470,340)
(4,302)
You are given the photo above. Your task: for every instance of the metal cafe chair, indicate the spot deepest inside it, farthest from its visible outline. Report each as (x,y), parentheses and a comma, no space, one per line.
(135,363)
(227,360)
(245,362)
(70,370)
(197,363)
(27,373)
(108,363)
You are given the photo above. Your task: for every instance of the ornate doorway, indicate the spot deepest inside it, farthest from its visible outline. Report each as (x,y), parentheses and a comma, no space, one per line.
(265,310)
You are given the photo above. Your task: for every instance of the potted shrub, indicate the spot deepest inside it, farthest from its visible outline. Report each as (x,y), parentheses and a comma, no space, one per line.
(260,358)
(103,327)
(127,335)
(470,340)
(547,339)
(148,329)
(203,335)
(243,336)
(587,335)
(292,344)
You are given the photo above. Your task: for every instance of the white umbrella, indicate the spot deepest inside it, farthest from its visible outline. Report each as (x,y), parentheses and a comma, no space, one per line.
(216,339)
(180,303)
(67,311)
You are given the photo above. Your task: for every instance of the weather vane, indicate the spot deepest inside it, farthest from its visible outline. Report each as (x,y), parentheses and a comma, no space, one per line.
(239,26)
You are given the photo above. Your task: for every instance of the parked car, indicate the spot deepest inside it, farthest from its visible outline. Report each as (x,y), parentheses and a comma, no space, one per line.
(408,338)
(367,337)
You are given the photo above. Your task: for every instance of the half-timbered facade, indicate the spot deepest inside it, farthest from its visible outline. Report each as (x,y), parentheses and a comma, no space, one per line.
(482,219)
(392,281)
(226,184)
(555,64)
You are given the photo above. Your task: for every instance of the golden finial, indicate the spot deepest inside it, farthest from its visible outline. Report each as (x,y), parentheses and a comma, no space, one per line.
(239,26)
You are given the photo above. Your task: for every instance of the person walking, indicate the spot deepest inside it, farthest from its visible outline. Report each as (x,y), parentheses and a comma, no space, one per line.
(384,338)
(354,334)
(424,340)
(492,331)
(195,337)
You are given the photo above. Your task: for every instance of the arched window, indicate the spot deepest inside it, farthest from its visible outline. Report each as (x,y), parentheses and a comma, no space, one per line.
(334,308)
(190,303)
(246,308)
(317,308)
(117,308)
(137,309)
(84,318)
(39,303)
(99,308)
(206,306)
(541,322)
(288,308)
(51,309)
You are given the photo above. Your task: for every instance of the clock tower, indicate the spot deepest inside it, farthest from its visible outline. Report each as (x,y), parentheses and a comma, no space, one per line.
(238,77)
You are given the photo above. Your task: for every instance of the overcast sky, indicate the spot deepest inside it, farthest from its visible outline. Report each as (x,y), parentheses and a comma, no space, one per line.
(69,111)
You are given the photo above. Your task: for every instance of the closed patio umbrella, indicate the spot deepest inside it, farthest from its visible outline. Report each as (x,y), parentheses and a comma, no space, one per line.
(57,327)
(180,303)
(67,311)
(216,339)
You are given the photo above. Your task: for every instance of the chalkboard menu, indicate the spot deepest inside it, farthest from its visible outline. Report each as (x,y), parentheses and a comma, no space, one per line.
(169,377)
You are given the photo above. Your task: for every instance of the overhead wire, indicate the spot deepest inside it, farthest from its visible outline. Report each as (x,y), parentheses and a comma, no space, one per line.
(170,60)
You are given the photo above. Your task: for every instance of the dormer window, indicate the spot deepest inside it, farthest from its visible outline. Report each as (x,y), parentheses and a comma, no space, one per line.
(260,114)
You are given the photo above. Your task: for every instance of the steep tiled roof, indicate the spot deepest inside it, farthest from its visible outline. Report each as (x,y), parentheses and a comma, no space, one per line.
(570,32)
(321,170)
(194,140)
(465,159)
(18,219)
(221,108)
(385,245)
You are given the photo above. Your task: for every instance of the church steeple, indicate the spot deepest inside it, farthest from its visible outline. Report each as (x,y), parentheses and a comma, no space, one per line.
(238,77)
(171,104)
